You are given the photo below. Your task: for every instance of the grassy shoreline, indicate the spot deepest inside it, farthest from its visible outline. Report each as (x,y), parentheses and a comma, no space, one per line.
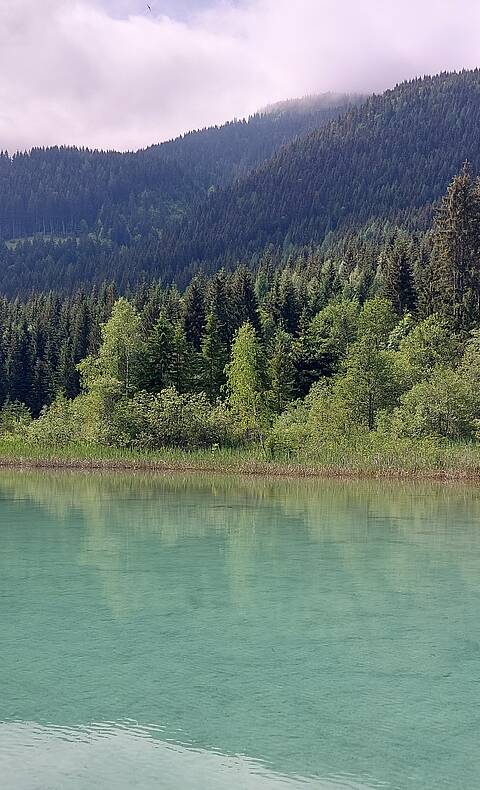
(422,460)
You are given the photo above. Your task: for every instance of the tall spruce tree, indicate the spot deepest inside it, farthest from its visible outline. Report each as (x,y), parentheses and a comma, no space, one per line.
(214,357)
(183,368)
(158,356)
(195,312)
(397,275)
(456,252)
(282,373)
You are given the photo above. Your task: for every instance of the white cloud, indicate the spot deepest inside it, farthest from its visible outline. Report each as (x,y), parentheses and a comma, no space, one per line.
(70,72)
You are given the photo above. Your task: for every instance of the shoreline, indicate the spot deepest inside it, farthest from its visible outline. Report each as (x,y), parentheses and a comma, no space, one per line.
(244,467)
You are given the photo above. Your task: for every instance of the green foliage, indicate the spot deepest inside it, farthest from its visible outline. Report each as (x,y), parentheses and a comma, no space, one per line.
(427,345)
(376,321)
(325,341)
(369,382)
(398,283)
(444,406)
(120,351)
(15,418)
(246,380)
(171,419)
(456,252)
(214,357)
(281,371)
(158,356)
(58,424)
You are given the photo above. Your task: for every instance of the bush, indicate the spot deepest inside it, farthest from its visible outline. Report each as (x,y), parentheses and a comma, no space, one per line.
(152,421)
(15,418)
(443,406)
(60,423)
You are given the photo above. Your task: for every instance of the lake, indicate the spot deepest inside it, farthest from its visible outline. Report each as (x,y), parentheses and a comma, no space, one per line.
(212,633)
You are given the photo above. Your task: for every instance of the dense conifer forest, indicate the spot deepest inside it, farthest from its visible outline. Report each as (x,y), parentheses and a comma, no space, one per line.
(281,357)
(215,198)
(71,216)
(369,331)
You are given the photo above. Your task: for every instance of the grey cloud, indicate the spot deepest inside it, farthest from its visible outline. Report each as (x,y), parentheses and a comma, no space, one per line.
(72,72)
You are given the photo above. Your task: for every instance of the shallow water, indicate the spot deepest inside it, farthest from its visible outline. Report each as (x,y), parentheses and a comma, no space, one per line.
(222,633)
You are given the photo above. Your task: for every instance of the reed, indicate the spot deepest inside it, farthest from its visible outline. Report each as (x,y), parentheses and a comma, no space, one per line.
(375,455)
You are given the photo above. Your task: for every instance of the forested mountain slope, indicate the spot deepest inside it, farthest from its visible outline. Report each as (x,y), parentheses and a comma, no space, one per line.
(62,191)
(390,157)
(197,203)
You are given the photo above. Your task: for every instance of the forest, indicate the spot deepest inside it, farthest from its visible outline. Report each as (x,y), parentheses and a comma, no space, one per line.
(317,172)
(380,338)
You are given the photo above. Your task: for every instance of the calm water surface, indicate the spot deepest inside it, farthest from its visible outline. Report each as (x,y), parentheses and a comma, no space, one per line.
(211,633)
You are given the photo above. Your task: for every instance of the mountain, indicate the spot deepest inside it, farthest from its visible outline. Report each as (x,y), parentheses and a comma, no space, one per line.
(66,191)
(217,196)
(391,157)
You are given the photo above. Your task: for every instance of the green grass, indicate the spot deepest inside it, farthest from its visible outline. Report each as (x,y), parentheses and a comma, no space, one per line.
(373,455)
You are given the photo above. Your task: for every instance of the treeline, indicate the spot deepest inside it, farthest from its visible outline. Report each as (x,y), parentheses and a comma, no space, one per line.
(384,339)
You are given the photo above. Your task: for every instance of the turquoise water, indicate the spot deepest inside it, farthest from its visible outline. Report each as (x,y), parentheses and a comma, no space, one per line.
(221,633)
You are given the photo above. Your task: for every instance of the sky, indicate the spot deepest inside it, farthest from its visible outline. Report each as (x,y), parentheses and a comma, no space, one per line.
(114,74)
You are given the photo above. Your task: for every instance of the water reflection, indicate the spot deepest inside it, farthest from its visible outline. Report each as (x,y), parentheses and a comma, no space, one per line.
(320,628)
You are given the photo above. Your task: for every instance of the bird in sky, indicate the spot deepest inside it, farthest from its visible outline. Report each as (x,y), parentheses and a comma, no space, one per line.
(149,8)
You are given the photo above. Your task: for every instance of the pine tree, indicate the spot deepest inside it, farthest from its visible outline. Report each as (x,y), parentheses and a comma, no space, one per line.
(182,372)
(195,312)
(158,357)
(243,301)
(282,373)
(456,250)
(20,367)
(397,275)
(214,358)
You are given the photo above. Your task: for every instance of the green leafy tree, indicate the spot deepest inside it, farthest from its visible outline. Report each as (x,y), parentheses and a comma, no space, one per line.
(369,382)
(120,351)
(376,321)
(325,342)
(246,381)
(428,344)
(443,406)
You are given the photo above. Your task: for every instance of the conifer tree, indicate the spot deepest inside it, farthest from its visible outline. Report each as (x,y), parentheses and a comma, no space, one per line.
(19,367)
(397,276)
(182,372)
(158,356)
(214,357)
(282,373)
(456,250)
(243,301)
(195,312)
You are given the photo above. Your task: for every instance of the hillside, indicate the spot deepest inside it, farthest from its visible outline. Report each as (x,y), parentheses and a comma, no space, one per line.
(62,191)
(222,195)
(390,157)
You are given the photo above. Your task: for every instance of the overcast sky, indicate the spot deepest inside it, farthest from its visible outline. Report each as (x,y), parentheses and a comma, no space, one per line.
(112,74)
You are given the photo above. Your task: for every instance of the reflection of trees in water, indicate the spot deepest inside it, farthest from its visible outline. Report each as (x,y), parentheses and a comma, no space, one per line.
(330,603)
(123,515)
